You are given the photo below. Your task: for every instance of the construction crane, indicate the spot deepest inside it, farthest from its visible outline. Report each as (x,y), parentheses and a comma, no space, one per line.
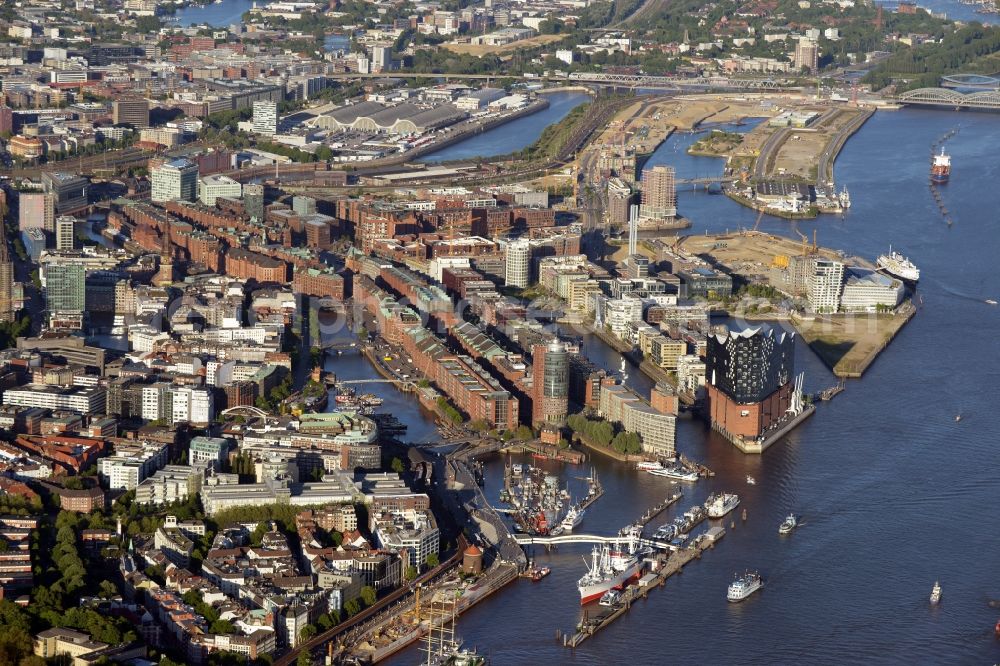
(760,215)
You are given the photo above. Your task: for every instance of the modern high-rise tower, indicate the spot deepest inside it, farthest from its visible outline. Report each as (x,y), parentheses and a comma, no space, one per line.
(518,264)
(659,193)
(265,117)
(550,383)
(175,181)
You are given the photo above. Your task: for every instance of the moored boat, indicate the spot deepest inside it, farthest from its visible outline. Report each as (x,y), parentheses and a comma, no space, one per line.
(674,471)
(898,266)
(573,518)
(718,505)
(610,598)
(611,567)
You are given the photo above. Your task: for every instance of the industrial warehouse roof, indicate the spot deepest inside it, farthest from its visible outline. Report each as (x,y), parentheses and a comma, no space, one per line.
(348,114)
(398,119)
(475,338)
(862,276)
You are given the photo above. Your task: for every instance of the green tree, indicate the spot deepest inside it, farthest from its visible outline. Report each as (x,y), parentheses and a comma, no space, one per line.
(397,465)
(258,533)
(432,560)
(410,573)
(15,644)
(352,607)
(307,632)
(368,595)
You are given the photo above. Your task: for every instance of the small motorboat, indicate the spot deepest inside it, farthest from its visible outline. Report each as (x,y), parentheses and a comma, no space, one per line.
(610,598)
(751,481)
(990,301)
(936,593)
(789,524)
(538,574)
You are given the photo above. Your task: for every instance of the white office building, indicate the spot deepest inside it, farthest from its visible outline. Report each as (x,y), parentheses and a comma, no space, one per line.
(173,483)
(265,117)
(131,464)
(825,285)
(211,188)
(208,451)
(410,531)
(191,405)
(868,291)
(65,236)
(518,264)
(80,399)
(176,180)
(618,313)
(381,58)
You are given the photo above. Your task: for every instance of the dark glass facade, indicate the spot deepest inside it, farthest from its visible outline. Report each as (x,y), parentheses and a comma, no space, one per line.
(750,365)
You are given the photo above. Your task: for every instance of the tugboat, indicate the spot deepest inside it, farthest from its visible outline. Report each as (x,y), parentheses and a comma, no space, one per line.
(744,586)
(789,524)
(941,168)
(936,593)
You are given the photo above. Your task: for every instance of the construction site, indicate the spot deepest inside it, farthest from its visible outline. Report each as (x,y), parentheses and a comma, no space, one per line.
(846,342)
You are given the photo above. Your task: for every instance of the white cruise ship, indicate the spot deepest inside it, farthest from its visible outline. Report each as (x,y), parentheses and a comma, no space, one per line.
(899,266)
(675,472)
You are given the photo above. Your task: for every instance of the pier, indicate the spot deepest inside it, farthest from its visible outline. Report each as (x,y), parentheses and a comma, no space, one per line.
(656,510)
(665,565)
(831,392)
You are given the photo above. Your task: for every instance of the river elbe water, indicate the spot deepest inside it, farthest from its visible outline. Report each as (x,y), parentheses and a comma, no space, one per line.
(893,492)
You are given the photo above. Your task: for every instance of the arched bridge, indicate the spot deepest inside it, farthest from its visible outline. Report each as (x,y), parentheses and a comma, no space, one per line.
(988,100)
(244,410)
(376,380)
(529,540)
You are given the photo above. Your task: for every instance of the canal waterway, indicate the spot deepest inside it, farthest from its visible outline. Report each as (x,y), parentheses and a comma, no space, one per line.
(893,492)
(511,136)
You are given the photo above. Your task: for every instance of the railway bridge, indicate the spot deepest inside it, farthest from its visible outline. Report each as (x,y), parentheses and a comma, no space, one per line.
(984,100)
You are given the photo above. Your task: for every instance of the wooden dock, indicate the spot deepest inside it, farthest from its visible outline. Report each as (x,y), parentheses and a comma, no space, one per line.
(656,510)
(695,466)
(590,499)
(670,564)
